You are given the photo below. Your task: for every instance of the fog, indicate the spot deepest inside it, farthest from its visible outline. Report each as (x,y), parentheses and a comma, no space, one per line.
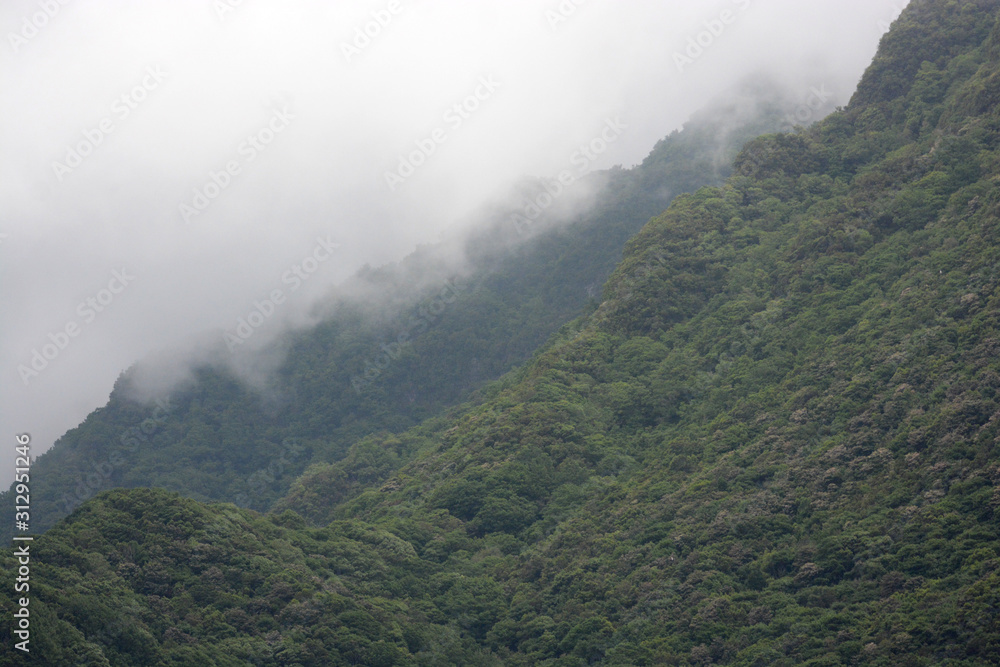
(165,165)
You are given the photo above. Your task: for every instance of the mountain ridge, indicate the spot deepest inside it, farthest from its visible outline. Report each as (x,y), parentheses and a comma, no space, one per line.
(223,439)
(772,442)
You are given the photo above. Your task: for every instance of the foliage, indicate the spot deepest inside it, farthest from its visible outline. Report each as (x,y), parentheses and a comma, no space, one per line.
(349,377)
(774,442)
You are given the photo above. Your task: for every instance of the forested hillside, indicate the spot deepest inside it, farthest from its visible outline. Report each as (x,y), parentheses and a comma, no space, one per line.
(349,377)
(772,442)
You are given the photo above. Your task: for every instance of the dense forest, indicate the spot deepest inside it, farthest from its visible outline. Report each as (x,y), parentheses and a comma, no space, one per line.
(222,439)
(770,438)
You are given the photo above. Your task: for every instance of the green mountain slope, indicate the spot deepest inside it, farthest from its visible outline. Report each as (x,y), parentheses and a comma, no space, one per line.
(772,443)
(146,577)
(220,439)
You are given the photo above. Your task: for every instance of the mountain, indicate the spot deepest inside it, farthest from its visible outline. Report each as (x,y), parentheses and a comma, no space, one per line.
(397,344)
(773,442)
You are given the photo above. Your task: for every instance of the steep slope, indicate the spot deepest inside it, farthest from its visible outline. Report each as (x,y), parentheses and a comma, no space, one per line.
(349,377)
(146,577)
(773,443)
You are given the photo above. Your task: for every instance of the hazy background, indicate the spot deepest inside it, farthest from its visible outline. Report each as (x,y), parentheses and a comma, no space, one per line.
(224,67)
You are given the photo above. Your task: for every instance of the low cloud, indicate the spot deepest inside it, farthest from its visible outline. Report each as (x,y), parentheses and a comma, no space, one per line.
(204,147)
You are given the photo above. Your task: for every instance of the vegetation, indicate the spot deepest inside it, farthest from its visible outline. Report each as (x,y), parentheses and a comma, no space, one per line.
(349,377)
(773,442)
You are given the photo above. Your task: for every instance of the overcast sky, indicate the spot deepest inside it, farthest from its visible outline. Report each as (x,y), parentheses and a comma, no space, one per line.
(165,163)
